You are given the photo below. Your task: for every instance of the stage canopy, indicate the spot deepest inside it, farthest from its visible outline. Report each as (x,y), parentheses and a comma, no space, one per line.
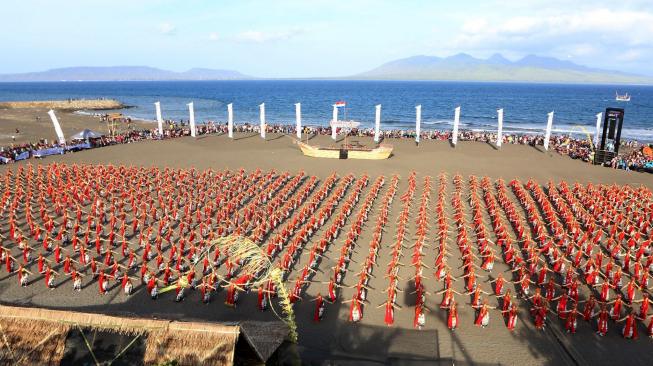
(86,134)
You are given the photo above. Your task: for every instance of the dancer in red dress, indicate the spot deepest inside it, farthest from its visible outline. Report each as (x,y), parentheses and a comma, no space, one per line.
(643,307)
(602,321)
(320,306)
(483,314)
(498,284)
(511,314)
(588,308)
(452,316)
(355,313)
(571,322)
(617,304)
(629,330)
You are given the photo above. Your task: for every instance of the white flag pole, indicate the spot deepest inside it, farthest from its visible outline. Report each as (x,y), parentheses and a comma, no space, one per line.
(377,123)
(159,119)
(599,117)
(335,119)
(298,120)
(500,128)
(456,120)
(418,122)
(262,115)
(57,127)
(230,120)
(547,134)
(191,112)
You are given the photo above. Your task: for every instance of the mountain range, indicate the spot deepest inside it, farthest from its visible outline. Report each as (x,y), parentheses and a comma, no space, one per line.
(460,67)
(123,73)
(463,67)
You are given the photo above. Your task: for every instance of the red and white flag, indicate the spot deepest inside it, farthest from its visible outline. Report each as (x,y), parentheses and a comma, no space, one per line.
(340,103)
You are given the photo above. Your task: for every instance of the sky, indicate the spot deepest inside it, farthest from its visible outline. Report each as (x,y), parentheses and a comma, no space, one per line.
(314,38)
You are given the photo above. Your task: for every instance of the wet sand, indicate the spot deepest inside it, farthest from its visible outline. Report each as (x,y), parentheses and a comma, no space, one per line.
(370,341)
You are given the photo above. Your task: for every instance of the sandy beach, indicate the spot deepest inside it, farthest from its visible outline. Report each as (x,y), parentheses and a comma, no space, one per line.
(35,124)
(249,151)
(336,339)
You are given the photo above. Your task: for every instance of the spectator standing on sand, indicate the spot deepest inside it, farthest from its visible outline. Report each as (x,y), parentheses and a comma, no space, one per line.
(572,147)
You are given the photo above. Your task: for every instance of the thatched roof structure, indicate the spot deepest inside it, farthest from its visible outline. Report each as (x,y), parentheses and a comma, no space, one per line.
(264,337)
(38,336)
(28,342)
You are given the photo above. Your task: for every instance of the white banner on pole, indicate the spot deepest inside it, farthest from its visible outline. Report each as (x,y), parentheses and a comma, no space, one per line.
(159,119)
(230,120)
(377,123)
(418,122)
(262,115)
(191,112)
(456,121)
(500,128)
(298,120)
(346,124)
(547,134)
(57,127)
(599,117)
(335,120)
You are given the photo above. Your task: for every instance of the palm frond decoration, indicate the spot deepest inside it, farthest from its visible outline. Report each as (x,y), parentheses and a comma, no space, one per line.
(284,300)
(256,262)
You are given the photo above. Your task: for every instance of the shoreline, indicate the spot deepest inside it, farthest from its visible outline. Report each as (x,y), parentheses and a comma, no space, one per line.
(29,126)
(425,127)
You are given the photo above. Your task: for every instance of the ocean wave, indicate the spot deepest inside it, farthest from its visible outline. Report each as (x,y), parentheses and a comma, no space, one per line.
(643,134)
(445,123)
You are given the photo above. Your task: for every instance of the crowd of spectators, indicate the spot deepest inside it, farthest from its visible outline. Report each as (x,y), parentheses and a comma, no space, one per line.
(633,157)
(11,152)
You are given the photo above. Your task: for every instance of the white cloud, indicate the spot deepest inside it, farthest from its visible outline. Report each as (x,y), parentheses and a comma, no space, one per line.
(579,50)
(474,26)
(630,55)
(520,26)
(261,36)
(213,36)
(595,36)
(601,25)
(167,29)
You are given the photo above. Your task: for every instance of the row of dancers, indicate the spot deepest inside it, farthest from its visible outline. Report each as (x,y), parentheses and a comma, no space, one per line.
(590,237)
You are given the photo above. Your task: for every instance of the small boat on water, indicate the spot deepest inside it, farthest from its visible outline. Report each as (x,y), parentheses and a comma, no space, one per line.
(346,151)
(622,98)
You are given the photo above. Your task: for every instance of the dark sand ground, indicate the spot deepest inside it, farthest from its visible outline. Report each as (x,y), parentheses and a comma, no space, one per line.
(370,341)
(34,124)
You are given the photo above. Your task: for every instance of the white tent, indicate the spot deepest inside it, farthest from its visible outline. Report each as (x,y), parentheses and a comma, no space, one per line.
(86,134)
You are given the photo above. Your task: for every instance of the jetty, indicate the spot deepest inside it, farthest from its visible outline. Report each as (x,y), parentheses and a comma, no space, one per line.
(66,105)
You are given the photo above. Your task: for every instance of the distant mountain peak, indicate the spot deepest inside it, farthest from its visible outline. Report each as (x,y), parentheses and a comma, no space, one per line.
(498,59)
(549,63)
(123,73)
(463,57)
(460,55)
(464,67)
(417,60)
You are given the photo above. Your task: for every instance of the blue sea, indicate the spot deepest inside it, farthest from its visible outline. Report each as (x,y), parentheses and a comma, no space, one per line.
(525,105)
